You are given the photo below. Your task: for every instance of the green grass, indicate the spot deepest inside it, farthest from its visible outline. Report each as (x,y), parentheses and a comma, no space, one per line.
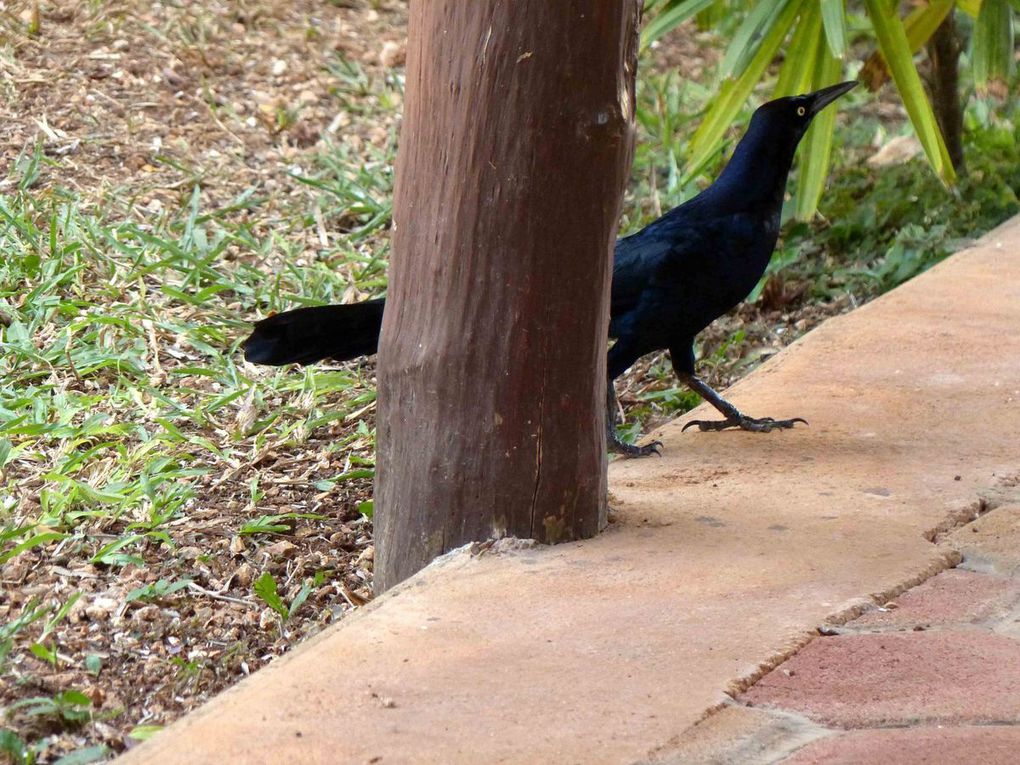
(123,397)
(123,400)
(120,380)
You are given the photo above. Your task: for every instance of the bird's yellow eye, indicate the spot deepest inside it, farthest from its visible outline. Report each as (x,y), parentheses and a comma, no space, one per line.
(801,111)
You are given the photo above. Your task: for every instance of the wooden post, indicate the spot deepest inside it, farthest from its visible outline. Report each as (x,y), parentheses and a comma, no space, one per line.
(514,152)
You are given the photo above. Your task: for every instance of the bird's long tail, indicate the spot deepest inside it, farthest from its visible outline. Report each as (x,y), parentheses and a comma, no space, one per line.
(307,335)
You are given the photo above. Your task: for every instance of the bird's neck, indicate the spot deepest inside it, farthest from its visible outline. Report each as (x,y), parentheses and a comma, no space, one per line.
(756,173)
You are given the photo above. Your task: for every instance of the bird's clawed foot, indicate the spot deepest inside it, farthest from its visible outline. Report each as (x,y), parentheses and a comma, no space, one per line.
(629,450)
(754,424)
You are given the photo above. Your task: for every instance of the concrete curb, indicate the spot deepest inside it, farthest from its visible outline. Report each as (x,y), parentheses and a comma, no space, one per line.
(728,555)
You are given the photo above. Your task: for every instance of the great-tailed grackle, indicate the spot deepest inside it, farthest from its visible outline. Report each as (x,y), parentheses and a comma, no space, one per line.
(307,335)
(670,280)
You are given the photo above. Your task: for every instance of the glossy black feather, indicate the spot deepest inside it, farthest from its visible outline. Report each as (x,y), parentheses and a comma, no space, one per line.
(308,335)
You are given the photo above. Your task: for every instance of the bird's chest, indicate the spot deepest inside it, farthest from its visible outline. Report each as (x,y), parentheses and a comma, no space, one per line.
(726,271)
(739,260)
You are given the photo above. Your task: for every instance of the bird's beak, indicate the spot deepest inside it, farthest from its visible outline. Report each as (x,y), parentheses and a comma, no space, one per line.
(825,96)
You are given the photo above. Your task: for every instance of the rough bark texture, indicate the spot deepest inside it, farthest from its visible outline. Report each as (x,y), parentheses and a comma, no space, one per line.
(514,152)
(944,52)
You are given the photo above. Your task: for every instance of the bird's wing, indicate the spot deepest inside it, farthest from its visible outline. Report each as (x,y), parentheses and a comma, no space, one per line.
(640,257)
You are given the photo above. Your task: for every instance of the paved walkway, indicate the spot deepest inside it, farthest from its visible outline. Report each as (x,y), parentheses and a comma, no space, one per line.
(734,613)
(931,677)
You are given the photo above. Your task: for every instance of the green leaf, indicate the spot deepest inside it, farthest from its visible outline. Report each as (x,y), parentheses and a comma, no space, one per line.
(299,599)
(667,20)
(43,653)
(159,589)
(144,732)
(91,494)
(920,24)
(11,744)
(714,15)
(272,524)
(892,40)
(367,508)
(834,16)
(35,541)
(798,68)
(71,705)
(264,524)
(35,706)
(94,664)
(72,697)
(970,7)
(59,616)
(817,150)
(734,93)
(84,756)
(750,36)
(110,555)
(265,588)
(992,52)
(351,475)
(7,452)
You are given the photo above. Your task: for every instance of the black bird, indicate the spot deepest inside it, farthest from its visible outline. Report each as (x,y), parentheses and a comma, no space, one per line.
(307,335)
(670,280)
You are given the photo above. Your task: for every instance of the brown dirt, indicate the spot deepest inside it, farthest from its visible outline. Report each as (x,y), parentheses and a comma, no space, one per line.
(145,99)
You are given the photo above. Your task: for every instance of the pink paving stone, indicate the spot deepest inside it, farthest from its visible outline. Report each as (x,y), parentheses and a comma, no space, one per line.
(927,745)
(898,678)
(952,597)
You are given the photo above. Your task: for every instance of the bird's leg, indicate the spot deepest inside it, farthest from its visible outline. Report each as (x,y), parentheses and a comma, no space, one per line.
(734,418)
(613,441)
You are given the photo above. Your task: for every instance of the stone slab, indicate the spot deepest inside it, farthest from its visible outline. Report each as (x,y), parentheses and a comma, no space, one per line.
(988,745)
(901,678)
(728,552)
(738,735)
(992,542)
(952,598)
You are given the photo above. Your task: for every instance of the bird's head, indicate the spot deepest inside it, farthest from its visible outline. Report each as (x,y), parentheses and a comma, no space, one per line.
(761,161)
(792,115)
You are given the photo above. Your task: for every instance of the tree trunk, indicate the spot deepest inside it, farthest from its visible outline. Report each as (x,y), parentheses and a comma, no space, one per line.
(944,52)
(514,152)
